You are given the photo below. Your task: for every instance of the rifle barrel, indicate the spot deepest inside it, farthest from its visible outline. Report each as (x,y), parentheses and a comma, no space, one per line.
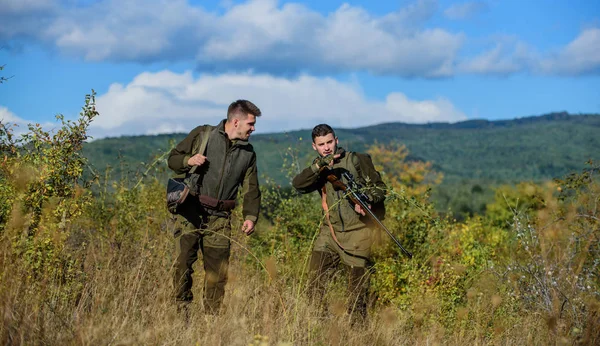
(364,206)
(356,199)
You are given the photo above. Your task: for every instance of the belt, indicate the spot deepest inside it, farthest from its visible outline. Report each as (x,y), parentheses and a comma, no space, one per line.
(211,203)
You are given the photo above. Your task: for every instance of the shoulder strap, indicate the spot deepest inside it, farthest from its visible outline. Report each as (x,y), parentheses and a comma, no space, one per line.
(363,163)
(355,162)
(200,146)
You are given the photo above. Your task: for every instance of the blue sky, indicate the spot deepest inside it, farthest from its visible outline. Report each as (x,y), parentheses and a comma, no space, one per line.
(169,65)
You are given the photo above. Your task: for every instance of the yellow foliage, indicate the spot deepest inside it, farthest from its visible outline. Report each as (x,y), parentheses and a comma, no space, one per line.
(415,176)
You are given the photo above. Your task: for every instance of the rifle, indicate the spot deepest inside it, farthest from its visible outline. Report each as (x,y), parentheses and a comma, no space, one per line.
(353,192)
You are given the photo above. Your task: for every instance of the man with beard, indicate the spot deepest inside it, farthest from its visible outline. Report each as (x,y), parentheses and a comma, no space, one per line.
(227,162)
(346,235)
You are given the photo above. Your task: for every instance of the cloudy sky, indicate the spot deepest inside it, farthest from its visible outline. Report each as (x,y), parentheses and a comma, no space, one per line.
(161,66)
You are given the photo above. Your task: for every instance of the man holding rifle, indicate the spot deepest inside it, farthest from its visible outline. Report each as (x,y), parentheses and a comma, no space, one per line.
(348,230)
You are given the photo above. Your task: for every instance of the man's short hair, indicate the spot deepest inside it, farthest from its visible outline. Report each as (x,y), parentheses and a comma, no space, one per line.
(322,130)
(241,108)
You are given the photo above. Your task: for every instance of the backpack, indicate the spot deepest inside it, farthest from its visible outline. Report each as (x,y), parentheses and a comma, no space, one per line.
(365,164)
(178,188)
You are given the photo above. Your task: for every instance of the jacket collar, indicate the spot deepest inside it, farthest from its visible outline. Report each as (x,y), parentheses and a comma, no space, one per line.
(221,129)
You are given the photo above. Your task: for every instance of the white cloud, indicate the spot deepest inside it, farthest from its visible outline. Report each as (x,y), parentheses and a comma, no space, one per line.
(261,35)
(165,102)
(412,111)
(19,125)
(13,7)
(131,30)
(286,39)
(25,18)
(351,40)
(580,56)
(509,56)
(503,59)
(6,116)
(465,10)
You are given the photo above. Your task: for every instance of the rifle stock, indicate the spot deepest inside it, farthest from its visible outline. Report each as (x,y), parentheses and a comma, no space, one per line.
(359,198)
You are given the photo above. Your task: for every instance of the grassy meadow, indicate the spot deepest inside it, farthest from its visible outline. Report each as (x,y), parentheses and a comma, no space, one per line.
(89,261)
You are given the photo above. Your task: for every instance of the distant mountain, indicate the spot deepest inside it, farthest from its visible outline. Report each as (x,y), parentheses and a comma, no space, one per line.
(530,148)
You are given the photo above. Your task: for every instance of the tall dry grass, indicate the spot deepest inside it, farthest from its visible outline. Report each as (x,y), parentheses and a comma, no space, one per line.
(125,300)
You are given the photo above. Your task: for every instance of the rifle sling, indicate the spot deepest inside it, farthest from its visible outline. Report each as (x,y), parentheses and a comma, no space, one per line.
(326,209)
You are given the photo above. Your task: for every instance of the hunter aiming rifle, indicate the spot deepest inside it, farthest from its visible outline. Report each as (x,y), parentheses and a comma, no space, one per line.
(352,190)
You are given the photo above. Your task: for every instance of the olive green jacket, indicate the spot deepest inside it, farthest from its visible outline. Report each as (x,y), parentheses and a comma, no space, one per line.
(342,215)
(229,164)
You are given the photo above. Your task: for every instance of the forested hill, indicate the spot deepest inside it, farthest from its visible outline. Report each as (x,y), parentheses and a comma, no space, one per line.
(530,148)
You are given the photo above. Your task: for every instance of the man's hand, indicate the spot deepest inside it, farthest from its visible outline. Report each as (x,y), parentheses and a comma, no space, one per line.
(248,227)
(359,209)
(196,160)
(328,160)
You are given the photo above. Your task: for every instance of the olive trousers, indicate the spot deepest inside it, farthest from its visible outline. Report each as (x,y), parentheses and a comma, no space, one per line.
(354,255)
(212,238)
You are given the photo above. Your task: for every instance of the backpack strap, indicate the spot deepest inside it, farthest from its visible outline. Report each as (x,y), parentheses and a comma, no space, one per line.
(356,163)
(363,164)
(200,146)
(193,179)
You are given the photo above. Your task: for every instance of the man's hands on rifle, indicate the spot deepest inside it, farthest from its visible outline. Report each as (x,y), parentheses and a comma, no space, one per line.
(196,160)
(359,209)
(328,160)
